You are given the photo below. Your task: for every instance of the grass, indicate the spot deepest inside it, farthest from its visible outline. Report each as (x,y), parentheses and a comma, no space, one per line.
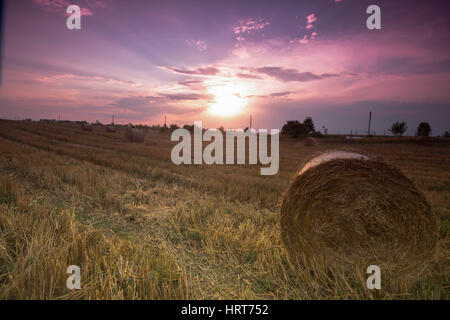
(141,228)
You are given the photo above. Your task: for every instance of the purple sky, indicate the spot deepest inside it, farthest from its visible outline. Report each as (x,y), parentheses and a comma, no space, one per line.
(220,61)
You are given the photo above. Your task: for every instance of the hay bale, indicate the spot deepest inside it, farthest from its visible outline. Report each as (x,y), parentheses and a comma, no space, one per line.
(310,142)
(86,127)
(110,128)
(346,211)
(134,135)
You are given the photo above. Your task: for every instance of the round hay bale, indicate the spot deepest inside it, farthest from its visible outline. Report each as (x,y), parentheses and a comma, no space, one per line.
(346,211)
(134,135)
(310,142)
(110,129)
(86,127)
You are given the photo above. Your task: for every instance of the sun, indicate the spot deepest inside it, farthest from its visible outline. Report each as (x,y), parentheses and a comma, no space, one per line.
(228,100)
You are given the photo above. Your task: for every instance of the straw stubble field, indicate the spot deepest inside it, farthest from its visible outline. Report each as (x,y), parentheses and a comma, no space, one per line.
(142,228)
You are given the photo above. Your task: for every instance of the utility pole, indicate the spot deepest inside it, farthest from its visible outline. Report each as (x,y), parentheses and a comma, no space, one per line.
(250,122)
(113,118)
(165,121)
(370,120)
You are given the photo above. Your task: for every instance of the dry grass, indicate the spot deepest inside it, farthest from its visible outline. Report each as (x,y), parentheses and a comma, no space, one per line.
(134,135)
(310,142)
(38,242)
(177,232)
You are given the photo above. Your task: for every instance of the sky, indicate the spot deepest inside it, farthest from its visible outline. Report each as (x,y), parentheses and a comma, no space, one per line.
(221,61)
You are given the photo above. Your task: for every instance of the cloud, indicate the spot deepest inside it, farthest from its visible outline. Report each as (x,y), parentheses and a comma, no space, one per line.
(86,12)
(305,38)
(142,107)
(407,66)
(287,75)
(198,44)
(189,83)
(250,25)
(58,78)
(60,6)
(281,94)
(186,96)
(311,18)
(206,71)
(247,76)
(97,3)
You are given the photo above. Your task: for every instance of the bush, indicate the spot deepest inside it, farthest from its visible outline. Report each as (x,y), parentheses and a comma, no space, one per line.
(297,129)
(423,129)
(398,128)
(173,127)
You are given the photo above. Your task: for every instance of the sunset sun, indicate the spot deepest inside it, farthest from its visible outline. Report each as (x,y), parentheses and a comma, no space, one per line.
(228,100)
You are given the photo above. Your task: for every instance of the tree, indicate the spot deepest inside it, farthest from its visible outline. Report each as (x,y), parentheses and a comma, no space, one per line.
(446,134)
(294,129)
(298,129)
(189,128)
(173,127)
(423,129)
(398,128)
(309,125)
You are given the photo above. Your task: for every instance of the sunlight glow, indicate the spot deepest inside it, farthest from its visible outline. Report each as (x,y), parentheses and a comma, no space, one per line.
(228,100)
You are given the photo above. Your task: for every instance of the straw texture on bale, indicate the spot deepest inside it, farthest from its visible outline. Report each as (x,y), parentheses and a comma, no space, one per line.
(110,129)
(134,135)
(86,127)
(310,142)
(346,211)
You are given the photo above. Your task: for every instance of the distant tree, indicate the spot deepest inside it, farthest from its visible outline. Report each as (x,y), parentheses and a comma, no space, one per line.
(398,128)
(446,134)
(298,129)
(173,127)
(309,125)
(189,128)
(423,129)
(295,129)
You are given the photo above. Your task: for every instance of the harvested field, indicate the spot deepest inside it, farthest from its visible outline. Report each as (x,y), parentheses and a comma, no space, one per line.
(142,228)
